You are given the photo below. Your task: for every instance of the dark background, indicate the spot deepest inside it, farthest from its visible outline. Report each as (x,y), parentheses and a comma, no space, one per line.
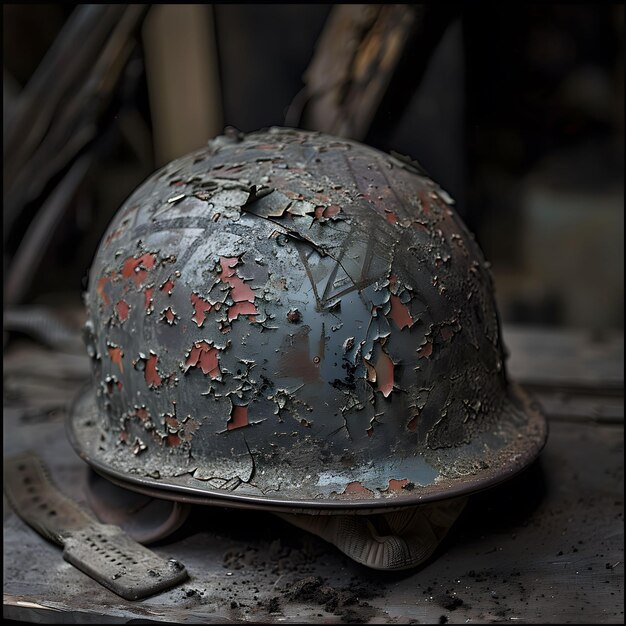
(519,115)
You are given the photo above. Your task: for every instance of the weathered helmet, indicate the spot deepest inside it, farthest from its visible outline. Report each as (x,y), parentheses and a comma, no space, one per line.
(287,319)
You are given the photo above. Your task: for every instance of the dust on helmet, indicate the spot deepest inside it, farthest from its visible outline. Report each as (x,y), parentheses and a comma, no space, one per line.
(288,319)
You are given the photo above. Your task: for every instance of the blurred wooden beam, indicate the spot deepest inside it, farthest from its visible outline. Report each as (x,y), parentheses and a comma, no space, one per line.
(364,52)
(183,78)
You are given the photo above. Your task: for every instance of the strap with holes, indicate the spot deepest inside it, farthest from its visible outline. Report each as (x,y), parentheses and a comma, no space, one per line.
(102,551)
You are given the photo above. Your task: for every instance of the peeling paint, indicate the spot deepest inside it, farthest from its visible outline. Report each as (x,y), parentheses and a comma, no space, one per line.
(400,313)
(238,417)
(356,487)
(137,267)
(169,316)
(345,272)
(200,308)
(204,356)
(122,308)
(116,354)
(150,372)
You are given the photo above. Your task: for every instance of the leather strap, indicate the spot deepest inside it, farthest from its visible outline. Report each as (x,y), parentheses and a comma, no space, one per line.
(102,551)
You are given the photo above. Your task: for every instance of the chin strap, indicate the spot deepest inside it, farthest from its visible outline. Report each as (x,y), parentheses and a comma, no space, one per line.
(386,541)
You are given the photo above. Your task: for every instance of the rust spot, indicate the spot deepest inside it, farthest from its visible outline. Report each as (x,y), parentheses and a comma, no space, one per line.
(151,374)
(356,487)
(412,425)
(167,286)
(116,353)
(148,295)
(171,420)
(238,417)
(122,308)
(400,313)
(124,436)
(204,356)
(200,307)
(370,431)
(425,350)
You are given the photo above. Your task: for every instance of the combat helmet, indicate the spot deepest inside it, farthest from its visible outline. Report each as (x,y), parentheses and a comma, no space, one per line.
(291,321)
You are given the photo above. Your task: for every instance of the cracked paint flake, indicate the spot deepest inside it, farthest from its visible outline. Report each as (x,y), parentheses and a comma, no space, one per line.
(200,308)
(238,417)
(204,356)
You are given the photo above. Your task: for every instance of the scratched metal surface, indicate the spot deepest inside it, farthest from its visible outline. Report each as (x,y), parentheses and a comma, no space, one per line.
(547,547)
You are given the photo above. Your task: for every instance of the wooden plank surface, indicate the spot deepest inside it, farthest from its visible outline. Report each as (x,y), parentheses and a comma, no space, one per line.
(545,547)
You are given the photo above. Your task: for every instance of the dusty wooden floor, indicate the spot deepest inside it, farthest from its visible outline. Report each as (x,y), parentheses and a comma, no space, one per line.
(546,547)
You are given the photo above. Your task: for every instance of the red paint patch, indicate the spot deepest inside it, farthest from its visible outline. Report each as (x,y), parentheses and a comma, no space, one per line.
(150,372)
(356,487)
(400,313)
(327,212)
(149,294)
(238,417)
(381,372)
(172,440)
(169,316)
(242,294)
(167,287)
(200,307)
(137,268)
(391,216)
(446,332)
(102,281)
(116,355)
(122,308)
(397,485)
(204,356)
(425,350)
(241,308)
(143,414)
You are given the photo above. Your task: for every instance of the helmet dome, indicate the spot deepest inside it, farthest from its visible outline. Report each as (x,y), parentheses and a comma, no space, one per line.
(290,319)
